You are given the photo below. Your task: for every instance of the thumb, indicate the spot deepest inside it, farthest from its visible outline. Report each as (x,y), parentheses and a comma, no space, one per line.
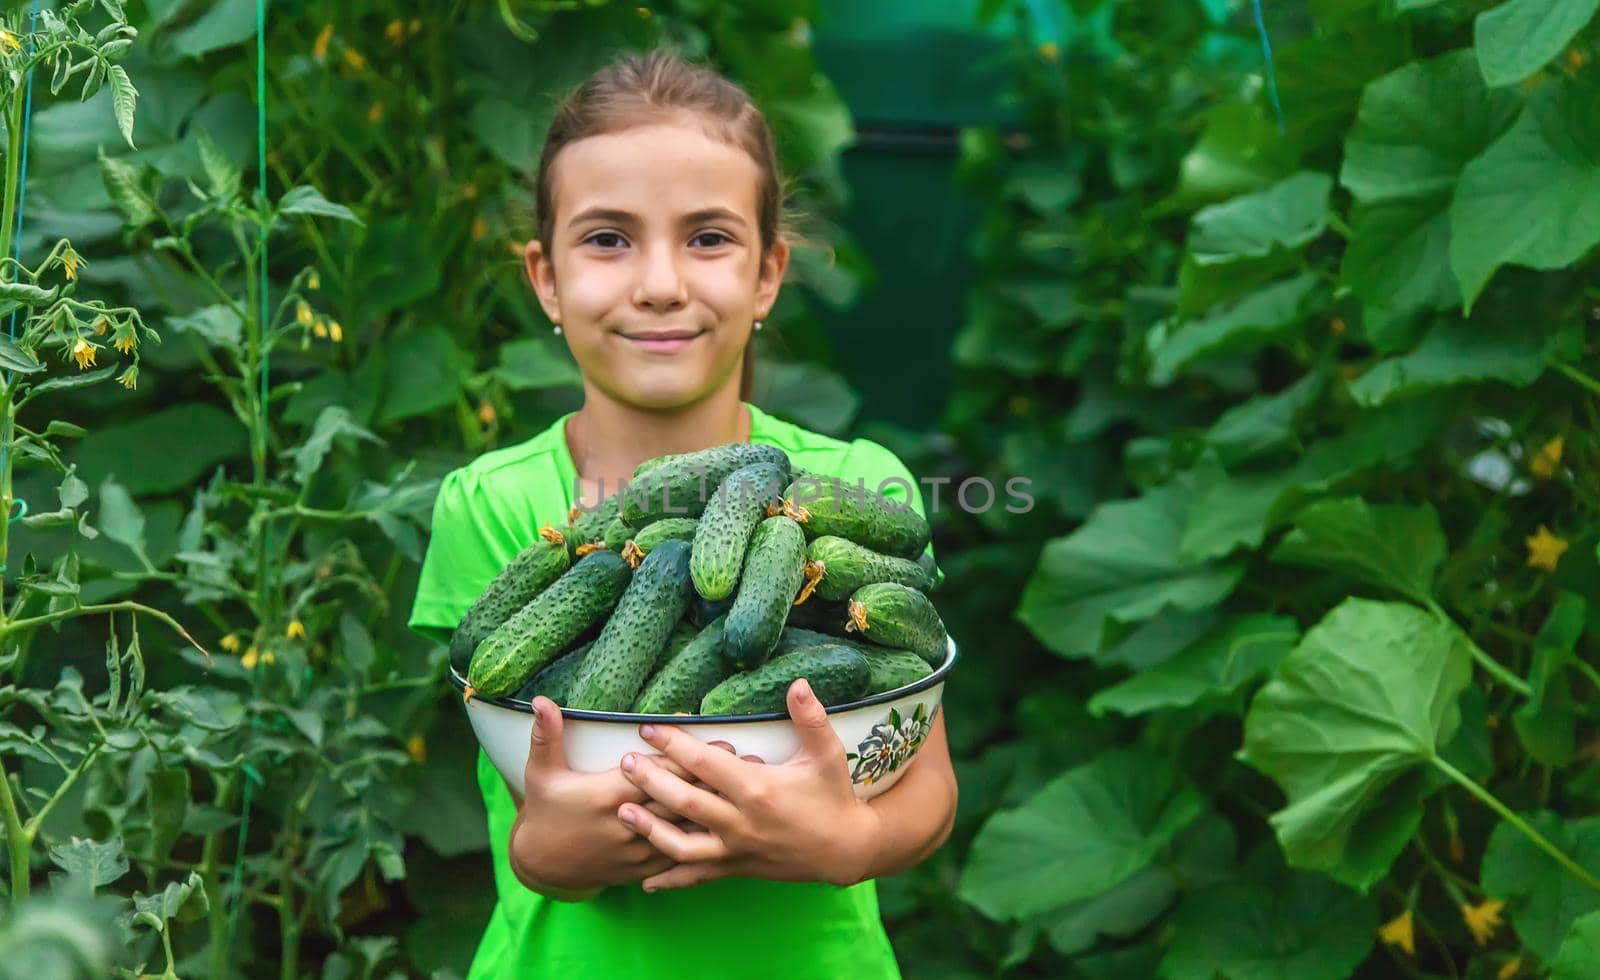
(810,719)
(546,752)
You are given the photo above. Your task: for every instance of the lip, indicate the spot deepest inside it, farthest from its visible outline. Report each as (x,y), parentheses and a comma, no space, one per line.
(662,341)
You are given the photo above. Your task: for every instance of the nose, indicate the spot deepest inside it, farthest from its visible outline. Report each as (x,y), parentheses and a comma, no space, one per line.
(661,286)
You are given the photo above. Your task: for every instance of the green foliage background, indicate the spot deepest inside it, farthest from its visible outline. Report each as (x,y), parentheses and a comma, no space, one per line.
(1293,401)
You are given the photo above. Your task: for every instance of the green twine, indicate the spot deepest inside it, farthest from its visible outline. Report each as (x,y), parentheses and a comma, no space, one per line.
(1266,51)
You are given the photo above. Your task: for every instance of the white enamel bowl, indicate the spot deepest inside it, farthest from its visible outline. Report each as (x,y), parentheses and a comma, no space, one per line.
(881,733)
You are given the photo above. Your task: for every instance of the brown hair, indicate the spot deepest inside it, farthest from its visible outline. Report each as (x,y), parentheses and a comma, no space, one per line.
(641,88)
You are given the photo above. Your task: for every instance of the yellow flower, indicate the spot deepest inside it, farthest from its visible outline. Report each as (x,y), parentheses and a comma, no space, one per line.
(486,413)
(1509,969)
(319,328)
(414,26)
(1336,326)
(248,661)
(469,190)
(1050,51)
(1544,549)
(1483,919)
(353,58)
(375,114)
(230,643)
(83,353)
(416,748)
(100,327)
(642,11)
(9,42)
(124,341)
(296,630)
(395,32)
(313,281)
(334,331)
(1575,59)
(130,378)
(1546,459)
(320,49)
(302,314)
(480,228)
(69,263)
(1399,932)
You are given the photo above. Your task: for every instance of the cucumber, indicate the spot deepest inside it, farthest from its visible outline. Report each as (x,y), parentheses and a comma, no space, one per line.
(645,539)
(729,522)
(893,615)
(857,512)
(683,485)
(702,611)
(836,674)
(636,635)
(589,526)
(847,566)
(524,644)
(798,638)
(617,534)
(773,572)
(894,669)
(555,680)
(822,616)
(525,576)
(687,675)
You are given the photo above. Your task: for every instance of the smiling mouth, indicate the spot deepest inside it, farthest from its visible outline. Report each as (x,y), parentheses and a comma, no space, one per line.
(663,341)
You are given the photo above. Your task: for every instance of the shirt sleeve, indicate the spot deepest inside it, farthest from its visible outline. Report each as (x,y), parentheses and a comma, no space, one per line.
(884,472)
(461,559)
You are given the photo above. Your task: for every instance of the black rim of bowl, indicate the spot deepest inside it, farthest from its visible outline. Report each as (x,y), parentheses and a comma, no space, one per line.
(526,707)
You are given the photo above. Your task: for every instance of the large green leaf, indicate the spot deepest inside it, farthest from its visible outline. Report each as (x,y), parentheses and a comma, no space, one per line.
(165,451)
(1417,128)
(1370,693)
(1273,926)
(1547,721)
(1288,215)
(1084,833)
(1263,316)
(1390,546)
(426,370)
(1242,649)
(1519,37)
(533,363)
(1533,198)
(1455,353)
(1543,898)
(1579,951)
(1121,565)
(1264,422)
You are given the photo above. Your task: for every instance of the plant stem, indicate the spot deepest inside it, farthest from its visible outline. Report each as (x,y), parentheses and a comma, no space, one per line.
(1488,663)
(18,840)
(47,618)
(217,921)
(1506,814)
(1577,376)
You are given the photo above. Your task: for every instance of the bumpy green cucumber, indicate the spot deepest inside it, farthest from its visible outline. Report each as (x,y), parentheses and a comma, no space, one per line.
(547,625)
(836,674)
(702,611)
(774,569)
(636,635)
(645,539)
(893,669)
(525,576)
(798,637)
(729,521)
(555,681)
(893,615)
(687,675)
(588,527)
(682,486)
(617,534)
(847,566)
(851,509)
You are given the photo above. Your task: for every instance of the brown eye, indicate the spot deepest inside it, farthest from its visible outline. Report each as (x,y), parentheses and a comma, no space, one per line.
(595,238)
(713,234)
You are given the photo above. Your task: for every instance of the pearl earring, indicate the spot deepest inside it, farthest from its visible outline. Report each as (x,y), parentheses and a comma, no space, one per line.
(758,324)
(556,329)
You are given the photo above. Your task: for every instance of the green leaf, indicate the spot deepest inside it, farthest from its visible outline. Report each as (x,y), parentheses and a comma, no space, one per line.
(1542,898)
(1519,37)
(96,862)
(123,98)
(14,358)
(1288,215)
(1265,422)
(1084,833)
(1120,566)
(308,200)
(175,446)
(1418,127)
(224,24)
(62,382)
(1547,721)
(1579,951)
(1533,198)
(182,900)
(1224,661)
(1456,353)
(533,364)
(426,371)
(130,188)
(1390,546)
(1368,694)
(221,173)
(1276,927)
(1240,151)
(120,518)
(218,325)
(332,423)
(167,800)
(1261,317)
(806,394)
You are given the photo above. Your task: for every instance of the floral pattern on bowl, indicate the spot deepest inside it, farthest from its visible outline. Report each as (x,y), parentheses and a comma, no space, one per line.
(890,743)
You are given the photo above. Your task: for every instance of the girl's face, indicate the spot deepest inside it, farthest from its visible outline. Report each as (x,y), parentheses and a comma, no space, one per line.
(655,272)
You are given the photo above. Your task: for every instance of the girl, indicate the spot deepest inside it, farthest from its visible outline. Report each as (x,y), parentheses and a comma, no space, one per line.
(660,247)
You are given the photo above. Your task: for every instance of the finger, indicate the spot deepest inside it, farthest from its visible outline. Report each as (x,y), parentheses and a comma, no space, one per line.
(545,750)
(697,803)
(669,839)
(722,771)
(817,737)
(685,876)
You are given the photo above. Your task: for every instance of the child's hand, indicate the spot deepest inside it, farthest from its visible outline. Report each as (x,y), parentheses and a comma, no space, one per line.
(799,821)
(565,838)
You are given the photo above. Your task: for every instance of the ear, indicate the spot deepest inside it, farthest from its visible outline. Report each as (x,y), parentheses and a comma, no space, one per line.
(542,275)
(771,277)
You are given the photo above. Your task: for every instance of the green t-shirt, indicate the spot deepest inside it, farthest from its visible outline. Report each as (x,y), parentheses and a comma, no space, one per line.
(488,511)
